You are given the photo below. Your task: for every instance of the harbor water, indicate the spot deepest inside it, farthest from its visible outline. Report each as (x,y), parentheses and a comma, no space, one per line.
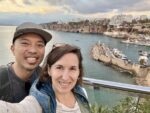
(92,68)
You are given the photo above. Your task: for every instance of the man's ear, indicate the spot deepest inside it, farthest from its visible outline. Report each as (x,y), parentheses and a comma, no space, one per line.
(12,48)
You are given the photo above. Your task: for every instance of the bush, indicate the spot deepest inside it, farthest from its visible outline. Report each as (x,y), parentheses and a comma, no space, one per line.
(127,105)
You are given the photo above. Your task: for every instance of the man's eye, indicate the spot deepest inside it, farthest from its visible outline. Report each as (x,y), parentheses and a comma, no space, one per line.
(24,43)
(41,45)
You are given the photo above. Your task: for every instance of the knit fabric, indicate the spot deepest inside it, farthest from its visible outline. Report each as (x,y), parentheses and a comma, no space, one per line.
(28,105)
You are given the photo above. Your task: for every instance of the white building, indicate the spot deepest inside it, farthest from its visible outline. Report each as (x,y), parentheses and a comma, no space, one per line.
(119,19)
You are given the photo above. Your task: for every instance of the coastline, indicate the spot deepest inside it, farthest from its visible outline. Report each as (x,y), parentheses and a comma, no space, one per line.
(136,32)
(102,53)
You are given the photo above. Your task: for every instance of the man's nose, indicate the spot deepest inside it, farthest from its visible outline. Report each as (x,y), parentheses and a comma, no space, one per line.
(33,49)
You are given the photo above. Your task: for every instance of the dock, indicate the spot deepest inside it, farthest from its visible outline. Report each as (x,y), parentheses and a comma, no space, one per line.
(113,57)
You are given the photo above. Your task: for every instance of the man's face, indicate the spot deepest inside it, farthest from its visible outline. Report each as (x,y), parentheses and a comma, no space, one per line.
(29,51)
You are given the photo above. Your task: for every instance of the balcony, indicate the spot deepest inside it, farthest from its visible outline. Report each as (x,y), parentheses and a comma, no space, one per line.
(113,97)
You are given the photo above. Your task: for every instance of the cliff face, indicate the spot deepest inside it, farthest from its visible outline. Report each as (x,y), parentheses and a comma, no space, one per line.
(136,32)
(102,53)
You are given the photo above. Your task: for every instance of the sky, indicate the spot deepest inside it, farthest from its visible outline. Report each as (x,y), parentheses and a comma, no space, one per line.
(15,12)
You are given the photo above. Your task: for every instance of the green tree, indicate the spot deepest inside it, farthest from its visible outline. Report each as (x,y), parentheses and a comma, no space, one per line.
(99,109)
(127,105)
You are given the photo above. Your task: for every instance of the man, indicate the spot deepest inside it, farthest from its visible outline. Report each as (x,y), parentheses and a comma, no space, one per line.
(28,47)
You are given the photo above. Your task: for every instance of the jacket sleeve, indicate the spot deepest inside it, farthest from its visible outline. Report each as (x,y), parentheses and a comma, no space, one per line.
(28,105)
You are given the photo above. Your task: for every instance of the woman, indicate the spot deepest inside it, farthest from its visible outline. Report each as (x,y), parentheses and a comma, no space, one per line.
(59,90)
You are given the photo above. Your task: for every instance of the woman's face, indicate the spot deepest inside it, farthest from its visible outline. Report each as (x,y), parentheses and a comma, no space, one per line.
(64,73)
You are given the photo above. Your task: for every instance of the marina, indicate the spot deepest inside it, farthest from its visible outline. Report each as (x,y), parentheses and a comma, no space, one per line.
(141,42)
(115,58)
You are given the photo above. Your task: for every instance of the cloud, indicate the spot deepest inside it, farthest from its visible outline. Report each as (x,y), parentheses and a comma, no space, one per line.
(17,11)
(143,5)
(100,6)
(73,6)
(26,6)
(18,18)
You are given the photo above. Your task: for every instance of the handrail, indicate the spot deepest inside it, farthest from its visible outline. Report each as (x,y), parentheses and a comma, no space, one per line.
(117,85)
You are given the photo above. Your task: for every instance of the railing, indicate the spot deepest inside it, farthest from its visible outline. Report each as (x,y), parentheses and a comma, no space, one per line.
(135,91)
(117,86)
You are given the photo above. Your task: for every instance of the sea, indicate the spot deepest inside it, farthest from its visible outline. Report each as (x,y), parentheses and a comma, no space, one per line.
(92,68)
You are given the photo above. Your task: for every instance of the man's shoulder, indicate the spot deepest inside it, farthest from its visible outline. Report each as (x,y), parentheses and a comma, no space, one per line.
(3,74)
(4,67)
(5,84)
(3,70)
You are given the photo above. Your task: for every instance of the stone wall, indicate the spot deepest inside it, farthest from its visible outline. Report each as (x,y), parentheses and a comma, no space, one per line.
(142,74)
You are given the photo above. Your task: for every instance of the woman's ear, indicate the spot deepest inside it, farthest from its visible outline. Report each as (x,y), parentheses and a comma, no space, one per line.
(49,70)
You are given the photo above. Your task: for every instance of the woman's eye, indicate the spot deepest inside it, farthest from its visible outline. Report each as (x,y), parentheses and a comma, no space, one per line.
(73,68)
(59,67)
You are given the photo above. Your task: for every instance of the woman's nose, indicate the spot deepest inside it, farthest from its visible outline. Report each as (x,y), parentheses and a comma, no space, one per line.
(65,74)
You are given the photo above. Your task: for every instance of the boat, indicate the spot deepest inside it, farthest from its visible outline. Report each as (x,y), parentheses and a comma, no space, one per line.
(115,58)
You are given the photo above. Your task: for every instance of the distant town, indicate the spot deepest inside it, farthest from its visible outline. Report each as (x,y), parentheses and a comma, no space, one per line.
(126,27)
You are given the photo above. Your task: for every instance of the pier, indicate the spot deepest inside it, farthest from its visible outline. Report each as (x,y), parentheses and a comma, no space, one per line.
(115,58)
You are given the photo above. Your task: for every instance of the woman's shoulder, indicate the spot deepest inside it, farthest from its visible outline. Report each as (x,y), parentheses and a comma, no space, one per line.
(80,90)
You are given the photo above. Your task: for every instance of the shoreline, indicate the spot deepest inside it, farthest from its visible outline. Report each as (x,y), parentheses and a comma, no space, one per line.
(135,32)
(102,53)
